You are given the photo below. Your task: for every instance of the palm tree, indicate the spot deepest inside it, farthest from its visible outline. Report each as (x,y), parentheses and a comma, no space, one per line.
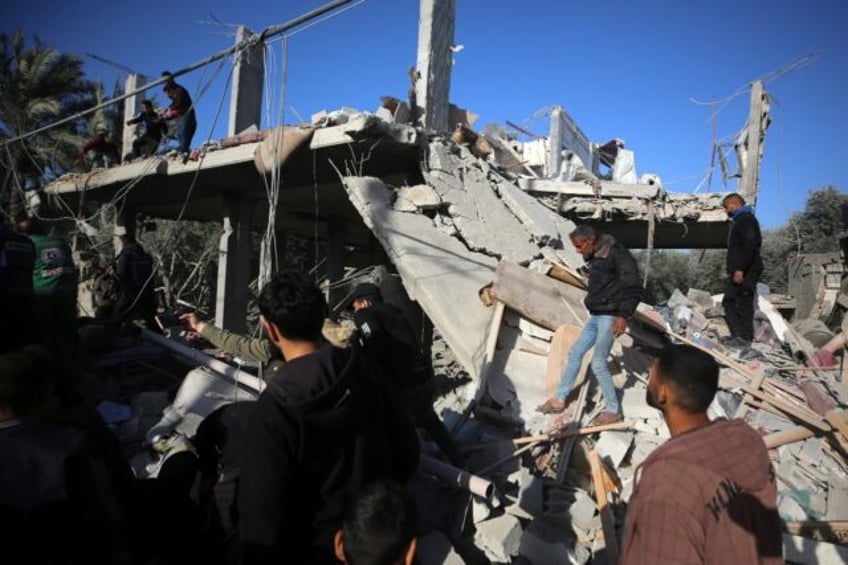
(38,86)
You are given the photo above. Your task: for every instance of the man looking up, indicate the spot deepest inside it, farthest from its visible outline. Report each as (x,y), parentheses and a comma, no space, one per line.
(613,295)
(744,267)
(708,495)
(322,429)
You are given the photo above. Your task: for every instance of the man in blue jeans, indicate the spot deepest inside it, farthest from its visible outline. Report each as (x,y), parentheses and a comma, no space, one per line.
(614,291)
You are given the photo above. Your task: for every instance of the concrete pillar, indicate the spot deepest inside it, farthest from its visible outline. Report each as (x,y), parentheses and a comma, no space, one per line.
(246,91)
(234,264)
(435,63)
(132,106)
(336,255)
(758,121)
(555,143)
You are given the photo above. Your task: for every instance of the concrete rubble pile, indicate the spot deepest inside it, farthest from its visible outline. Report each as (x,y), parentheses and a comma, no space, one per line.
(485,253)
(467,227)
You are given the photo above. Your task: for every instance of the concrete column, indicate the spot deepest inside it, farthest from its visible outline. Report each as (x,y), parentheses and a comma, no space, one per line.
(555,143)
(757,123)
(246,91)
(336,255)
(234,264)
(435,62)
(132,105)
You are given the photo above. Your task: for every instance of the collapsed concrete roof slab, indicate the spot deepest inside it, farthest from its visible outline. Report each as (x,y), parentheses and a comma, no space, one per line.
(437,270)
(483,220)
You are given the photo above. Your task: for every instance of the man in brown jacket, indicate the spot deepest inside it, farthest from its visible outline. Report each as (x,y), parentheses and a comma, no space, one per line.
(709,494)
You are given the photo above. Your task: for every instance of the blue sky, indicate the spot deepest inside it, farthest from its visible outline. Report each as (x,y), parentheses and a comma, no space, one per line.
(625,69)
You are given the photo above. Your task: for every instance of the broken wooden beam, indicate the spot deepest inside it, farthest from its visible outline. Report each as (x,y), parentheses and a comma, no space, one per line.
(791,435)
(550,436)
(607,518)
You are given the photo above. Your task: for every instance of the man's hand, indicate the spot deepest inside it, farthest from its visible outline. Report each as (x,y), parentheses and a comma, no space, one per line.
(738,277)
(620,326)
(193,322)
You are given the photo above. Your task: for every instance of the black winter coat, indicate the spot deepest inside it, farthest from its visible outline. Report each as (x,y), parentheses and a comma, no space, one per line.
(614,286)
(743,245)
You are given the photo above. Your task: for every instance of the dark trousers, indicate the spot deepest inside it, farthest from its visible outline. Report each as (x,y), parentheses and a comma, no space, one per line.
(739,304)
(419,403)
(186,126)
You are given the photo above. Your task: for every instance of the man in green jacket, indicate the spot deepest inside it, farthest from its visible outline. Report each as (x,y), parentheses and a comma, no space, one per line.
(54,282)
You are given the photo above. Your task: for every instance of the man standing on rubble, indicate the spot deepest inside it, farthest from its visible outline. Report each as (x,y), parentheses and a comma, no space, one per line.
(744,267)
(708,495)
(614,291)
(322,429)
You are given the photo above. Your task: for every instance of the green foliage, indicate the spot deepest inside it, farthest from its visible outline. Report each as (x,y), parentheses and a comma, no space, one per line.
(39,86)
(186,255)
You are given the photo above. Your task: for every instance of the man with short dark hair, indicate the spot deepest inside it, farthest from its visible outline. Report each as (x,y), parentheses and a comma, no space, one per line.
(744,267)
(614,291)
(708,495)
(379,527)
(322,429)
(181,110)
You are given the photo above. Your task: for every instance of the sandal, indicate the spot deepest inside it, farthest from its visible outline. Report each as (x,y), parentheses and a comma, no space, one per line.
(551,406)
(605,418)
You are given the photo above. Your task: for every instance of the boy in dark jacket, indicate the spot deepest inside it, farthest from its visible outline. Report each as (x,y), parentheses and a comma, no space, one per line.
(153,132)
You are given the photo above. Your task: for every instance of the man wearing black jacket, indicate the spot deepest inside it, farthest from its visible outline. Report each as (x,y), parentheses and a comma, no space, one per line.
(387,336)
(321,430)
(614,291)
(744,267)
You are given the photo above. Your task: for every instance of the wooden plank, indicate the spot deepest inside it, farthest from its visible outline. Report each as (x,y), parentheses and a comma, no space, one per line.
(491,344)
(837,419)
(564,337)
(568,276)
(535,296)
(607,518)
(568,444)
(759,376)
(550,436)
(833,532)
(791,435)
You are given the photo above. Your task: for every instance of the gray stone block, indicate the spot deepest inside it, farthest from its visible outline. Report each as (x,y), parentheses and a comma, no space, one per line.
(613,446)
(499,537)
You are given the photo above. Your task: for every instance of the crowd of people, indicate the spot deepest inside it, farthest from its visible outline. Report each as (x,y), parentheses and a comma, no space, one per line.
(314,470)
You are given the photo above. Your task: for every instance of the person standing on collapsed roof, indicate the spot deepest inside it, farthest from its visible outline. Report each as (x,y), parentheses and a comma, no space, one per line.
(182,110)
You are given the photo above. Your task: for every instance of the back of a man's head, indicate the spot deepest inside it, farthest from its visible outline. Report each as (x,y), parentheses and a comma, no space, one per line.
(691,373)
(379,526)
(295,305)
